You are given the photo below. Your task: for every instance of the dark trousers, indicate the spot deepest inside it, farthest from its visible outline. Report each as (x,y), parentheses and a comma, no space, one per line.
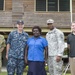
(36,68)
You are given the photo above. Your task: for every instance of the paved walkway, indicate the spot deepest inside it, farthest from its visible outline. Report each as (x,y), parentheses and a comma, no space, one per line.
(3,69)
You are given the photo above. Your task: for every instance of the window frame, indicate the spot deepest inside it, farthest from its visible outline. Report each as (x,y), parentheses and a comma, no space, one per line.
(3,6)
(47,7)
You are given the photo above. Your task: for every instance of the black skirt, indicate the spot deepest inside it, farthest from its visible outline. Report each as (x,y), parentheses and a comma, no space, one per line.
(36,68)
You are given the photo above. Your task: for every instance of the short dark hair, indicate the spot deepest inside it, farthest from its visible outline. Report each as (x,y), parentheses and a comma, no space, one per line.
(36,27)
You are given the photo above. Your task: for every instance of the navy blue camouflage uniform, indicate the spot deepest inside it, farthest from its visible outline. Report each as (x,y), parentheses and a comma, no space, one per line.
(16,52)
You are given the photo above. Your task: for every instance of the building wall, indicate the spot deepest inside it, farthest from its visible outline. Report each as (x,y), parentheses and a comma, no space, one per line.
(28,5)
(30,16)
(62,20)
(25,9)
(73,8)
(8,5)
(5,19)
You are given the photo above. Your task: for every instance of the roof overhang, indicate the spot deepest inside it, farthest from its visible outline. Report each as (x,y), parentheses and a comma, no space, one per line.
(27,29)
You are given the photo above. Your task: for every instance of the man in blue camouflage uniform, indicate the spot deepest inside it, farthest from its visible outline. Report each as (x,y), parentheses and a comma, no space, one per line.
(15,53)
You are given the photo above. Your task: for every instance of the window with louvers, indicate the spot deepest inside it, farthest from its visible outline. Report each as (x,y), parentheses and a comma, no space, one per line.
(40,5)
(1,4)
(64,5)
(52,5)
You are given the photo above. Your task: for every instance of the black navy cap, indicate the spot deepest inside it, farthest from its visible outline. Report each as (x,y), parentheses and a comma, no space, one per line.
(20,22)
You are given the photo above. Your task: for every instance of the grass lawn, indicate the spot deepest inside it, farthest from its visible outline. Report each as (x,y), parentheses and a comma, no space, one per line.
(4,73)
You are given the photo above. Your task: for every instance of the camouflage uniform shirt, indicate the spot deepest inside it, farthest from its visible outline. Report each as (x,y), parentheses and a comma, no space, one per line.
(2,45)
(55,40)
(17,43)
(2,41)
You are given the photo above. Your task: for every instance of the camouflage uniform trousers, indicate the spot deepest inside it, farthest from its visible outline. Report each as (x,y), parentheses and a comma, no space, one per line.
(55,68)
(17,65)
(0,62)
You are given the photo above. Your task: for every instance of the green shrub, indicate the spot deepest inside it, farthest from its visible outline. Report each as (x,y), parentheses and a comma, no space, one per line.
(46,68)
(26,68)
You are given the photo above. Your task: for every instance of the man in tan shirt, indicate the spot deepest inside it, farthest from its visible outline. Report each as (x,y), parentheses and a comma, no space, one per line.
(71,48)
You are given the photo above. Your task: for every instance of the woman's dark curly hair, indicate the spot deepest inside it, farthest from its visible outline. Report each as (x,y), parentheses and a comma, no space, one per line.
(36,27)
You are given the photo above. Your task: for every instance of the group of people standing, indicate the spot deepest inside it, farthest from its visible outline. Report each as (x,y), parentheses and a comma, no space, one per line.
(36,51)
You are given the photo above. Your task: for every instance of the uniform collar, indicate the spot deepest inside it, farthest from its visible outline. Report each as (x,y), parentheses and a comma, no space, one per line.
(52,31)
(20,33)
